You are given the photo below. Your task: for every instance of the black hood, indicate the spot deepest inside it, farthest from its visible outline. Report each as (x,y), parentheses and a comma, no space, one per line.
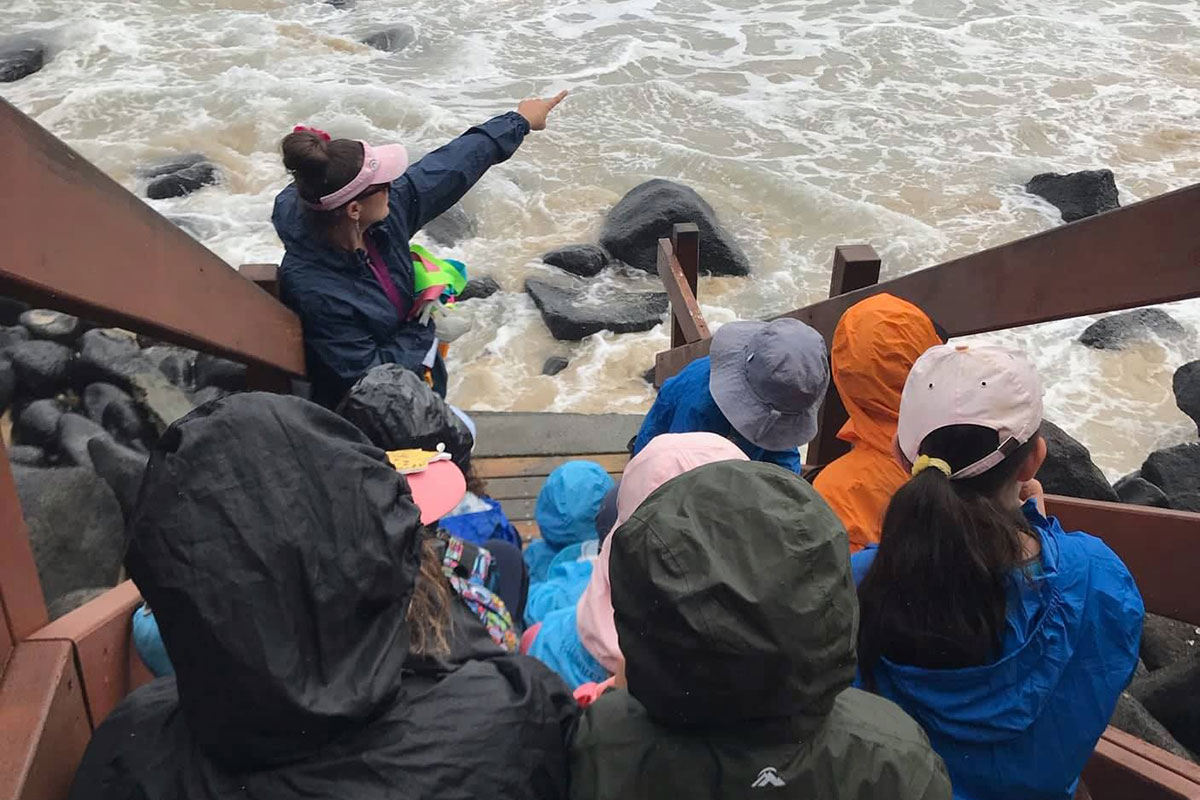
(278,549)
(733,598)
(397,410)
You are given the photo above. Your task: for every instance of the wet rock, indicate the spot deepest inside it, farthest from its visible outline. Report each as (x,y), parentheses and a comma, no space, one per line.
(220,372)
(571,314)
(454,225)
(43,368)
(27,454)
(649,375)
(1170,695)
(8,382)
(20,58)
(340,4)
(1166,641)
(177,363)
(393,39)
(74,433)
(643,216)
(73,600)
(1176,470)
(103,345)
(179,176)
(45,324)
(1186,384)
(121,468)
(1132,717)
(110,357)
(1077,194)
(584,260)
(98,396)
(11,311)
(554,365)
(37,424)
(1118,330)
(1136,490)
(208,394)
(479,288)
(1069,469)
(12,334)
(75,527)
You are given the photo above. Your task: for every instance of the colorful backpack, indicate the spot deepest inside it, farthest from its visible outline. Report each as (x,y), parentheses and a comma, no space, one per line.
(468,568)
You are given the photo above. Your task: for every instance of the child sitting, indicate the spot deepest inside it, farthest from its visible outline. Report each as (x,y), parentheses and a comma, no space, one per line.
(566,512)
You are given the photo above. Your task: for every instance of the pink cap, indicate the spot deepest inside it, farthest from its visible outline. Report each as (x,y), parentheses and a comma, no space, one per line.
(437,490)
(986,385)
(381,164)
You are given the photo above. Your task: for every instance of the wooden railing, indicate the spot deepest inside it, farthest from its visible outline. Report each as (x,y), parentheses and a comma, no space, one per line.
(72,239)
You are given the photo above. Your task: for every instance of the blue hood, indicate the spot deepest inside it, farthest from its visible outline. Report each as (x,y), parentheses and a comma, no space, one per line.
(1025,725)
(569,502)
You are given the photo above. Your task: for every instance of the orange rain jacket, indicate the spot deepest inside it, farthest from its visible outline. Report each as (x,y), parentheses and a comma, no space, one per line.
(874,347)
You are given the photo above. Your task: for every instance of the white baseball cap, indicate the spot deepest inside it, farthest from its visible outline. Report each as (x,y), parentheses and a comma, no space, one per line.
(986,385)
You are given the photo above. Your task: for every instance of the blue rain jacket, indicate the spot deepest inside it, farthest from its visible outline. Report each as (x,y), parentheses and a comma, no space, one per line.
(565,581)
(349,324)
(149,644)
(566,511)
(1024,726)
(559,647)
(479,526)
(685,405)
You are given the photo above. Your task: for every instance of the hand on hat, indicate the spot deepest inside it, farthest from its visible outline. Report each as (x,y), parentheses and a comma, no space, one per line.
(536,109)
(1033,488)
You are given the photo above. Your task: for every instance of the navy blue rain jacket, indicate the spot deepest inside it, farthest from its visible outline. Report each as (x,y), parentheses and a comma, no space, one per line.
(349,324)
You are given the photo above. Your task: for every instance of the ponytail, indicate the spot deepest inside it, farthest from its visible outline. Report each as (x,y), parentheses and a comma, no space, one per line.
(936,594)
(320,166)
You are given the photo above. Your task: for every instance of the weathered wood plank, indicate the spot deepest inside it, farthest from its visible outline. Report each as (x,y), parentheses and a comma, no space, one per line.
(526,466)
(538,434)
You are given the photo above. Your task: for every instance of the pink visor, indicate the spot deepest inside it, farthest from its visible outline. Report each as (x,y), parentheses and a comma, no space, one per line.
(437,490)
(381,164)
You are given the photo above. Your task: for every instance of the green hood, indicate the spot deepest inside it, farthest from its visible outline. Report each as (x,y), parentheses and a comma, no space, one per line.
(734,599)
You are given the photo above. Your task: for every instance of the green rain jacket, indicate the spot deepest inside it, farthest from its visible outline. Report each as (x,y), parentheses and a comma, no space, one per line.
(737,616)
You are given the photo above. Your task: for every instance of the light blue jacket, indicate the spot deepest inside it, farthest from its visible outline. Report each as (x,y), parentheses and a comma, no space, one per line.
(1024,726)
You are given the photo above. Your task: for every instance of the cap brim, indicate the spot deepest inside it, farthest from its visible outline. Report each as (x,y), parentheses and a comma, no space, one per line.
(393,160)
(437,490)
(748,414)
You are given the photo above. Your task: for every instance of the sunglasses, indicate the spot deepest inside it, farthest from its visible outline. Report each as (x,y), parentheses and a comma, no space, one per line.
(372,190)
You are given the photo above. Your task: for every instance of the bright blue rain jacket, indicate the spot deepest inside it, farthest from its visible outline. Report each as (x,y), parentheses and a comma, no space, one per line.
(1023,727)
(566,579)
(566,512)
(558,646)
(478,527)
(349,324)
(685,405)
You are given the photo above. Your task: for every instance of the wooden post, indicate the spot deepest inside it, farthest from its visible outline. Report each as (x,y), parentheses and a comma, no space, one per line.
(855,266)
(685,241)
(22,606)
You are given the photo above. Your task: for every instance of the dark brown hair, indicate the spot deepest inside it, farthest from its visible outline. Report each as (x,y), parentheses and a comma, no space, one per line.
(429,618)
(319,167)
(936,594)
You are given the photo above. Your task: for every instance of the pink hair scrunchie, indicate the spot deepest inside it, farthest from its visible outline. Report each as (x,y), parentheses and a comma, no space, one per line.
(305,129)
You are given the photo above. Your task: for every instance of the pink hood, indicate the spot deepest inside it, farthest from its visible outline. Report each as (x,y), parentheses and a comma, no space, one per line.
(666,457)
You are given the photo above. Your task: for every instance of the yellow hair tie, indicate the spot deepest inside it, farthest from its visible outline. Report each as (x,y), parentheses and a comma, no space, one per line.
(924,462)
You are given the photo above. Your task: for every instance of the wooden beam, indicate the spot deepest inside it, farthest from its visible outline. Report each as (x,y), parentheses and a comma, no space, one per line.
(855,266)
(43,723)
(678,267)
(1161,548)
(669,363)
(105,255)
(1144,254)
(100,632)
(21,599)
(525,466)
(1117,771)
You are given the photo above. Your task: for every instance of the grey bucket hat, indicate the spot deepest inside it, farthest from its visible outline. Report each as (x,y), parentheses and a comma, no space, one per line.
(768,379)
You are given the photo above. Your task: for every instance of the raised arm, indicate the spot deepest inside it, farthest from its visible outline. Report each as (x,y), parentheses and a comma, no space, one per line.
(441,178)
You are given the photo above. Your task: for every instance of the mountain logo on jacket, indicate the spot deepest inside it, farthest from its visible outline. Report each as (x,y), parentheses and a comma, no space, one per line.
(768,777)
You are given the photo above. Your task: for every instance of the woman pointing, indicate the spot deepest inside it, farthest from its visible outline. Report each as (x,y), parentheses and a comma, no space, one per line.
(346,221)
